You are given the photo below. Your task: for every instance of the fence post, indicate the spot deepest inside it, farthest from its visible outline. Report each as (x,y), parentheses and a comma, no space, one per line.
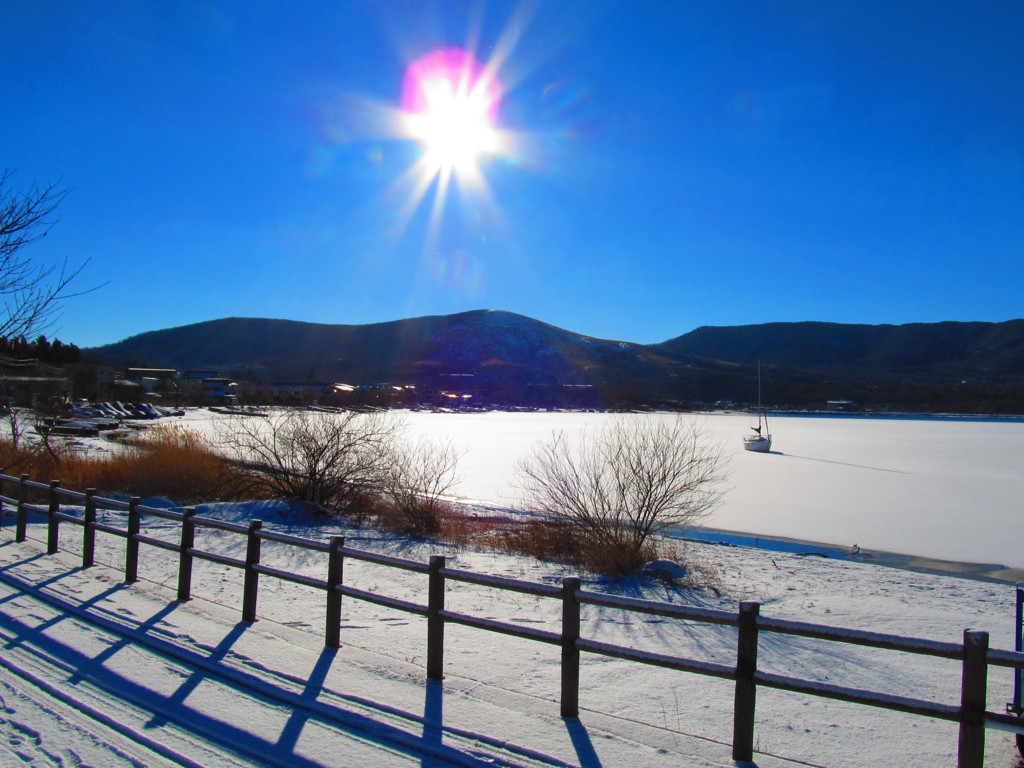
(53,522)
(745,698)
(21,524)
(1018,673)
(252,578)
(570,653)
(2,489)
(188,540)
(89,530)
(131,543)
(973,692)
(335,576)
(435,621)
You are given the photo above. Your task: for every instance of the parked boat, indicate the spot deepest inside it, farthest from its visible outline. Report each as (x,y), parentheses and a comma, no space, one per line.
(237,410)
(69,429)
(93,416)
(761,440)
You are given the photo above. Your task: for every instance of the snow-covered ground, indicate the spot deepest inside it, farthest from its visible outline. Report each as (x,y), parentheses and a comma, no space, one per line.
(194,686)
(187,684)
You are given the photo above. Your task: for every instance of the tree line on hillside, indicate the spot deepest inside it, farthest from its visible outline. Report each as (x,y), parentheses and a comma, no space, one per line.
(41,350)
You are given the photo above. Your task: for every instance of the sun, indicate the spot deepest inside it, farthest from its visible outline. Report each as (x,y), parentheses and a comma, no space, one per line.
(450,105)
(454,129)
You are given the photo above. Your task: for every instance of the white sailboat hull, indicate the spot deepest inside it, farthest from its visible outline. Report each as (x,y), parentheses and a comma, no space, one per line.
(757,443)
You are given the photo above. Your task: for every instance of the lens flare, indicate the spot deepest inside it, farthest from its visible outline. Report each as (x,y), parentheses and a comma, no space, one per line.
(450,105)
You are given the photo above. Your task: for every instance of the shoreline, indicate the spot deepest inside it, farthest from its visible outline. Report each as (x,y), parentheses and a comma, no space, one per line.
(993,572)
(898,415)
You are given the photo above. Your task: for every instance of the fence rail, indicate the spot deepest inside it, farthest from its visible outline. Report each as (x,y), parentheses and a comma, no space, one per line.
(974,654)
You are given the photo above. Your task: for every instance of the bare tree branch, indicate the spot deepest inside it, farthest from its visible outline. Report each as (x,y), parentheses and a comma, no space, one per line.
(30,292)
(323,458)
(419,474)
(632,479)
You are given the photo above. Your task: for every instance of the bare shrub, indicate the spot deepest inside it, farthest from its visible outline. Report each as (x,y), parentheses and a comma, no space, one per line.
(365,506)
(702,571)
(618,487)
(27,444)
(418,475)
(329,459)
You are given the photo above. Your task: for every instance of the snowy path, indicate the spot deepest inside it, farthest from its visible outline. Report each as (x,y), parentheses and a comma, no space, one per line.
(49,681)
(96,673)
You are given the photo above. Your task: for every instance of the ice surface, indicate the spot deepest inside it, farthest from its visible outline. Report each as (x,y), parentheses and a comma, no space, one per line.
(949,489)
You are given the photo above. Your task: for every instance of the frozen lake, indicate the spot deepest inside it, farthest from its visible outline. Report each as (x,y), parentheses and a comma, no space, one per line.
(949,489)
(945,489)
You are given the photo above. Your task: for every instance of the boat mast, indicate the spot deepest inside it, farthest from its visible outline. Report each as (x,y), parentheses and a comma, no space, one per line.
(763,412)
(759,393)
(760,408)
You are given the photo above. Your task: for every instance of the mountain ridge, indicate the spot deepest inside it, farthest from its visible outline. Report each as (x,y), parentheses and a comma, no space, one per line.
(996,345)
(972,366)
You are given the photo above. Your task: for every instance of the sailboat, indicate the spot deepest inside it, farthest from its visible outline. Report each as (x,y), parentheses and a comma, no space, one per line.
(761,440)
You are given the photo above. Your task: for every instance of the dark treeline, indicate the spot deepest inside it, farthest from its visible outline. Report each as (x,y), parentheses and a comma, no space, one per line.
(42,349)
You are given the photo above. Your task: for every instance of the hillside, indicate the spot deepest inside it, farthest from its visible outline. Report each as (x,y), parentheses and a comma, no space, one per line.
(515,360)
(950,366)
(979,348)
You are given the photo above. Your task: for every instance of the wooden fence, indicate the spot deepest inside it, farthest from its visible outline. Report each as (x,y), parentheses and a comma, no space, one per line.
(974,654)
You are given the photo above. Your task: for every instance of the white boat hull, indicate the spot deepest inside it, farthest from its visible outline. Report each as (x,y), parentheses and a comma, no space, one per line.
(757,443)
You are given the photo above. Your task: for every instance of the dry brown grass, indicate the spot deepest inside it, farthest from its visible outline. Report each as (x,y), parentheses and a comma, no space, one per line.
(438,520)
(421,518)
(464,530)
(170,461)
(543,539)
(552,540)
(560,541)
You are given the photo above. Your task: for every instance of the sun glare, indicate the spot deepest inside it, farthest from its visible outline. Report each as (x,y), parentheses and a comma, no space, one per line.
(450,105)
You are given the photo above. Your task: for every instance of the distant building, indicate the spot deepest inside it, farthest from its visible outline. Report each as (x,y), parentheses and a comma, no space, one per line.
(105,375)
(32,391)
(31,383)
(158,374)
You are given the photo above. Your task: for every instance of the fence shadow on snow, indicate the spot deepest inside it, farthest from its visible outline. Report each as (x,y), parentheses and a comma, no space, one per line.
(974,653)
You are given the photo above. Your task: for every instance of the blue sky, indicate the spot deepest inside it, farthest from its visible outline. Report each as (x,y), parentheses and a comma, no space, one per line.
(667,164)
